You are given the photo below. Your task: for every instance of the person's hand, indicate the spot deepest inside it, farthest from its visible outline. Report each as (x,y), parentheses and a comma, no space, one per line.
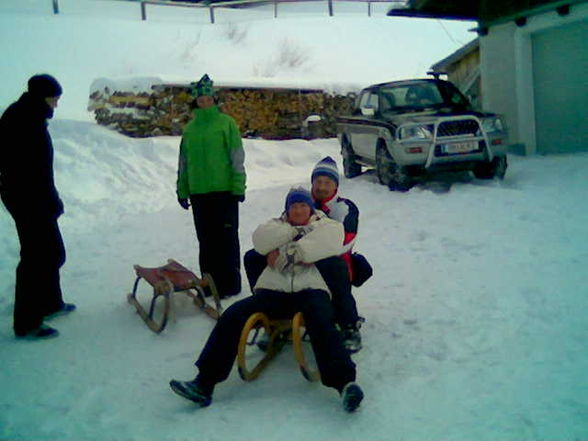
(288,256)
(281,261)
(240,197)
(184,203)
(272,257)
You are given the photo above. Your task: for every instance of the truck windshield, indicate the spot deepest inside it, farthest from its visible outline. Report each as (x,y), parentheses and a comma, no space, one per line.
(413,96)
(453,96)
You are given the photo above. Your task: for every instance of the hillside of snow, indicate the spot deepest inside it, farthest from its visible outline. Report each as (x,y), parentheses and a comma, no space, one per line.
(106,40)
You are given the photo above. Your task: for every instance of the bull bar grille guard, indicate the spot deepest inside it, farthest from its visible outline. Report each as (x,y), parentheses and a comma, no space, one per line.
(449,129)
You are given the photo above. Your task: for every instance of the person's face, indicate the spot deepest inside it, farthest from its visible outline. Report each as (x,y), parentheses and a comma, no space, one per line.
(299,213)
(323,188)
(52,101)
(205,101)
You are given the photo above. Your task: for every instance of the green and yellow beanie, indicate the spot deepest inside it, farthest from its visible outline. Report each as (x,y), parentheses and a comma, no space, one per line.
(203,87)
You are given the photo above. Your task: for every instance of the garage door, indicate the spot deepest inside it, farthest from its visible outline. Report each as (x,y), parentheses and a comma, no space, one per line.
(560,70)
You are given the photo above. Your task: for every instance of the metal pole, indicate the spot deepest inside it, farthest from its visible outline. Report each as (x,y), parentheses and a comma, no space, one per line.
(369,9)
(211,14)
(56,6)
(275,9)
(330,7)
(300,114)
(143,11)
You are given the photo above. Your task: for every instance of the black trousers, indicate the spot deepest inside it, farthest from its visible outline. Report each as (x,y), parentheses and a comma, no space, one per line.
(335,366)
(335,274)
(216,217)
(42,254)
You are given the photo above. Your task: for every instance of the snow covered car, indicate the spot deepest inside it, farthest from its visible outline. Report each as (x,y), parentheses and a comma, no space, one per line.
(411,128)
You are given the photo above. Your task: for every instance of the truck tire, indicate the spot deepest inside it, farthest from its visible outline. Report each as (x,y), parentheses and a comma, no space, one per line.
(493,169)
(389,173)
(351,168)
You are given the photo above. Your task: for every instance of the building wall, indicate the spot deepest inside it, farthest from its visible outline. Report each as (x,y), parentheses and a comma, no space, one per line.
(465,75)
(498,73)
(507,71)
(461,71)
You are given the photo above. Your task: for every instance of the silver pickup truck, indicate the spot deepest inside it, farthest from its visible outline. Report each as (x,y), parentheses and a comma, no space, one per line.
(407,129)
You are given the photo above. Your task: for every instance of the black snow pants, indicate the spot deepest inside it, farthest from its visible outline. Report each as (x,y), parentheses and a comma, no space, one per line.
(42,254)
(216,217)
(335,274)
(334,363)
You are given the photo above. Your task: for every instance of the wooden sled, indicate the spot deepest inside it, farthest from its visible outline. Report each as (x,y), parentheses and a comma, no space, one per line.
(279,332)
(167,280)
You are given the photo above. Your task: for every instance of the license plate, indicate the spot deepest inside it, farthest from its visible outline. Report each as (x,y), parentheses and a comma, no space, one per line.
(459,147)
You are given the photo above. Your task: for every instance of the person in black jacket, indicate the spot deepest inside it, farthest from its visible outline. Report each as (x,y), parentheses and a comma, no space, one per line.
(28,192)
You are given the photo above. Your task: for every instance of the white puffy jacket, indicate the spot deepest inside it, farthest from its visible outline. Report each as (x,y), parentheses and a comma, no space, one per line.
(320,238)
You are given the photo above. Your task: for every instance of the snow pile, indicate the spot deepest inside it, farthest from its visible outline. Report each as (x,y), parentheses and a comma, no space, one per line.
(305,49)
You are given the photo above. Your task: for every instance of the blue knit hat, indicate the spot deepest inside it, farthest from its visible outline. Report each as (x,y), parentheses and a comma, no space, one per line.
(299,194)
(326,167)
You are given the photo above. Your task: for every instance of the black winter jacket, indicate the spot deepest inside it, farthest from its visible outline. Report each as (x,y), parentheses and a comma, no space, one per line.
(27,185)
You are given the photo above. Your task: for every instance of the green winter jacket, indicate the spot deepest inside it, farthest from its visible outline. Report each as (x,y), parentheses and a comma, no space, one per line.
(211,155)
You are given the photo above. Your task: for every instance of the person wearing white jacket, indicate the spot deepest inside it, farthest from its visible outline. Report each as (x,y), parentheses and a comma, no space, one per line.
(339,272)
(295,248)
(290,283)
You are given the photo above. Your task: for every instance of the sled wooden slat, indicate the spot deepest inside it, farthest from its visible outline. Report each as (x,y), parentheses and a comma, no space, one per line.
(275,329)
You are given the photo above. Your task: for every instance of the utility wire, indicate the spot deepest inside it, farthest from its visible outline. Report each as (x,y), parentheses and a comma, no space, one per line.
(461,43)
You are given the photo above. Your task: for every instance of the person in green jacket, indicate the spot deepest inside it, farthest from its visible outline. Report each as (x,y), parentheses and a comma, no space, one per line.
(211,178)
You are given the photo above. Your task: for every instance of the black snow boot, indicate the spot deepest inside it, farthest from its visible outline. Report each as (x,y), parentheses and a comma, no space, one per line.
(351,339)
(193,391)
(352,396)
(64,310)
(40,333)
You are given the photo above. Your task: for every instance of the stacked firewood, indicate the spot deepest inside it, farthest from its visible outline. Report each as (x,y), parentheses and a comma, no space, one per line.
(265,113)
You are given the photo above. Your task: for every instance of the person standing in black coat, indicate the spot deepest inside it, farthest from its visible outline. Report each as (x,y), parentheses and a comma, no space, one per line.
(28,192)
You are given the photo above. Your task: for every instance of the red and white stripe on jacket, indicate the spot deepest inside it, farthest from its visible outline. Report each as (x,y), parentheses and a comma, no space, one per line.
(345,211)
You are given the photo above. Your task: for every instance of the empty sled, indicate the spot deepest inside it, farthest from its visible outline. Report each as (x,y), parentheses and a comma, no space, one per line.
(167,280)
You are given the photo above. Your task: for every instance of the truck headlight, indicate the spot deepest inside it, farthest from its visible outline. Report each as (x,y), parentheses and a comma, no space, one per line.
(416,132)
(492,125)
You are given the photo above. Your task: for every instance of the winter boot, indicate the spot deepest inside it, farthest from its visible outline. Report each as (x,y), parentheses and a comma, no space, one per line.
(351,339)
(193,391)
(42,332)
(352,396)
(263,342)
(64,310)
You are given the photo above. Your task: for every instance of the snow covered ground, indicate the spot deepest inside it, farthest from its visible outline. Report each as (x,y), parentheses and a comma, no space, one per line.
(476,325)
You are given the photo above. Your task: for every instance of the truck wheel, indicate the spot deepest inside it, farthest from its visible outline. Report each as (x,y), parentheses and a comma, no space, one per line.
(351,168)
(389,173)
(493,169)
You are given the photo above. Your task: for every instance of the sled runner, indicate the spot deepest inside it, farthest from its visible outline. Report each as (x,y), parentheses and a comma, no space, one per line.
(279,333)
(167,280)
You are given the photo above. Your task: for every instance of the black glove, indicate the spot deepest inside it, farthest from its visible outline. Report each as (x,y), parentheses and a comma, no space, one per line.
(184,203)
(240,197)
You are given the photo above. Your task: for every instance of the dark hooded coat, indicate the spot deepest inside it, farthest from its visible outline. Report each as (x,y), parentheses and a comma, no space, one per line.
(27,189)
(27,184)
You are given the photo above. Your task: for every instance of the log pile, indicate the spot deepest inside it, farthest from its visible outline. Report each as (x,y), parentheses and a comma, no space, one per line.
(259,112)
